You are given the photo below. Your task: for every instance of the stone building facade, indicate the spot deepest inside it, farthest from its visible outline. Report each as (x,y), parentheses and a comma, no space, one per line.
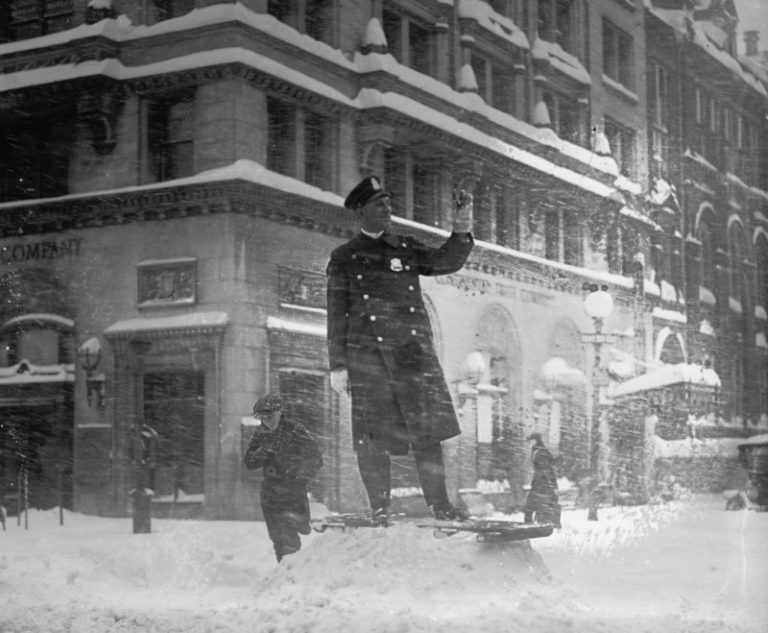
(171,184)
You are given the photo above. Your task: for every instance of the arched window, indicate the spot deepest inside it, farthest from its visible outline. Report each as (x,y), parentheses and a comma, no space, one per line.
(761,277)
(736,256)
(706,235)
(40,339)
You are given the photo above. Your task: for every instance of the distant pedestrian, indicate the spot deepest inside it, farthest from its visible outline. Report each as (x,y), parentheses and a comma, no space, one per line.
(290,457)
(542,504)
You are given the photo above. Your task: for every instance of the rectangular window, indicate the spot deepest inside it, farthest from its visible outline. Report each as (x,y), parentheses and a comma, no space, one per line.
(319,143)
(34,159)
(552,235)
(281,137)
(479,67)
(301,144)
(171,134)
(502,89)
(618,55)
(565,117)
(700,100)
(622,141)
(314,18)
(507,217)
(409,40)
(573,239)
(658,95)
(564,17)
(714,116)
(424,194)
(167,9)
(32,18)
(318,20)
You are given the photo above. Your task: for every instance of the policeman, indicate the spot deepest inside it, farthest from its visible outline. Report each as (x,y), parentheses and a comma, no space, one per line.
(381,349)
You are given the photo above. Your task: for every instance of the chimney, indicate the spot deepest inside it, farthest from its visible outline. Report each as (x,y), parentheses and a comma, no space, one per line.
(751,39)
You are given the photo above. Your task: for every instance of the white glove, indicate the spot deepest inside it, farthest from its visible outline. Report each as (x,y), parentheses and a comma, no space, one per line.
(462,221)
(340,381)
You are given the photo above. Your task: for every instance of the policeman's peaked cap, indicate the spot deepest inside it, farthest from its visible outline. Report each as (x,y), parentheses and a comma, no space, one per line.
(368,189)
(268,404)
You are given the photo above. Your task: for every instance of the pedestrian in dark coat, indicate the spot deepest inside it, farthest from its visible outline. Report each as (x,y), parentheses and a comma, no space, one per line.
(381,348)
(542,504)
(290,457)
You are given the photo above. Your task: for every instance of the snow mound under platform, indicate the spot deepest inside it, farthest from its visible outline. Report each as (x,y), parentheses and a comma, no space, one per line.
(409,580)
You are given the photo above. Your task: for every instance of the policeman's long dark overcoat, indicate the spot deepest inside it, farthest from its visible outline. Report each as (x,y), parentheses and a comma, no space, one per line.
(379,330)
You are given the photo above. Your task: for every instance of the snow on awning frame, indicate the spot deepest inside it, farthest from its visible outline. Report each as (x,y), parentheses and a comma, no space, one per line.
(179,325)
(671,375)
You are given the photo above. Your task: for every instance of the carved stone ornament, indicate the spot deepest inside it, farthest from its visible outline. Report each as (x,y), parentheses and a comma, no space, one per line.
(170,282)
(99,108)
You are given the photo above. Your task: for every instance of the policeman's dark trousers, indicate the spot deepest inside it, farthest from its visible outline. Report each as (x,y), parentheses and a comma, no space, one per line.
(376,473)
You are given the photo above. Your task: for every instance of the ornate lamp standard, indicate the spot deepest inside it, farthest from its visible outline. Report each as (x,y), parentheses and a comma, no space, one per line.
(598,304)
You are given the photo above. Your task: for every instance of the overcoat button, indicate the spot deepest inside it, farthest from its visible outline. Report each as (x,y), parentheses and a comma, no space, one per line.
(407,267)
(410,287)
(412,309)
(373,317)
(366,297)
(413,332)
(379,339)
(359,276)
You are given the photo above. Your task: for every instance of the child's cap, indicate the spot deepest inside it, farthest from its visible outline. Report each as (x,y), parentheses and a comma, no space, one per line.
(268,404)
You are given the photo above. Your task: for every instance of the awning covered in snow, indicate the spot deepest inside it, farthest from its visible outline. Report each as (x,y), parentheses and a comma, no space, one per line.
(667,376)
(194,322)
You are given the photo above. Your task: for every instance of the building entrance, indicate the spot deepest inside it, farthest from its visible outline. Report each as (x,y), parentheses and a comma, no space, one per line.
(35,457)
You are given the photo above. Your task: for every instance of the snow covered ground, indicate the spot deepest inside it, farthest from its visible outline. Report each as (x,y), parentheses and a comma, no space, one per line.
(684,566)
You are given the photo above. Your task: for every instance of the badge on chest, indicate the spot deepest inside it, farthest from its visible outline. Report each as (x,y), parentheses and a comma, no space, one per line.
(395,264)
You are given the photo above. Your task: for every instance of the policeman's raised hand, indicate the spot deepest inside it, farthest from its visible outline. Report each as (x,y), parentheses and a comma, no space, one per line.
(464,203)
(340,381)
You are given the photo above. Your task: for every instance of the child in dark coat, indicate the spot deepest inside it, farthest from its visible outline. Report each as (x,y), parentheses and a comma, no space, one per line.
(290,457)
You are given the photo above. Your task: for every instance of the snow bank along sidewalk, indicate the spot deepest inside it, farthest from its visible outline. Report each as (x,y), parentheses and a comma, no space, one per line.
(683,566)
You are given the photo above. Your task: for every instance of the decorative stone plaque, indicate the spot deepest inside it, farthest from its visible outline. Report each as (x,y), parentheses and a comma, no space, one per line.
(301,288)
(168,282)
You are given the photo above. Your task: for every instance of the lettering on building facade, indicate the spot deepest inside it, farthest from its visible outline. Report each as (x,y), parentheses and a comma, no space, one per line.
(473,286)
(42,250)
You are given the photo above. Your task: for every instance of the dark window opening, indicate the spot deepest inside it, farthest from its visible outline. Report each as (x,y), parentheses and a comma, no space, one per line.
(617,55)
(34,159)
(410,42)
(281,137)
(424,194)
(171,134)
(167,9)
(622,141)
(23,19)
(318,141)
(552,235)
(573,239)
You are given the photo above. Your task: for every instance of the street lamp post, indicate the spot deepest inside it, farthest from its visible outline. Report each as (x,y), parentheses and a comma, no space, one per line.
(598,304)
(142,441)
